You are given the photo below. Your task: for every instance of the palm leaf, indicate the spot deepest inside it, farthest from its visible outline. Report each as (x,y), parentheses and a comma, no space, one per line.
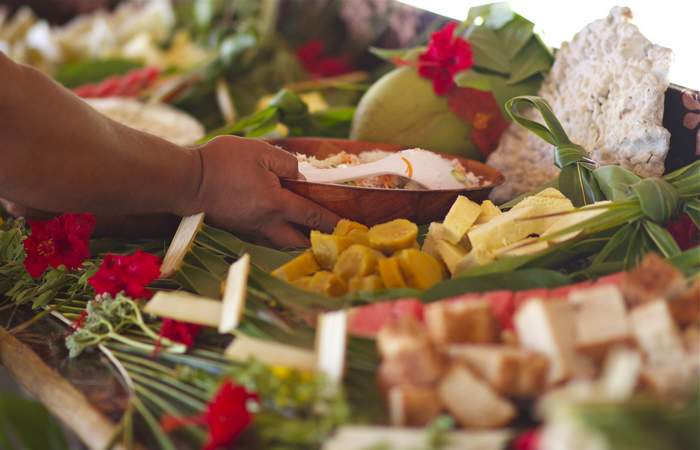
(28,425)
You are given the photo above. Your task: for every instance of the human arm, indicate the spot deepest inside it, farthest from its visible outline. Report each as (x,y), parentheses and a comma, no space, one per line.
(58,154)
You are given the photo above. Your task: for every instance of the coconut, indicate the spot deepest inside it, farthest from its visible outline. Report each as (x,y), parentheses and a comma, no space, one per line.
(401,108)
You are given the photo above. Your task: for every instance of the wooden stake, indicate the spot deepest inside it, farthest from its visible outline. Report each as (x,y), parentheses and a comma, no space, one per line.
(181,243)
(235,290)
(331,339)
(185,307)
(245,347)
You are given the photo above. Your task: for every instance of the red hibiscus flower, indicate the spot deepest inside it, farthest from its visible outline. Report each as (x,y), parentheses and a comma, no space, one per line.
(182,332)
(312,56)
(226,416)
(128,273)
(61,241)
(684,231)
(479,108)
(445,57)
(528,440)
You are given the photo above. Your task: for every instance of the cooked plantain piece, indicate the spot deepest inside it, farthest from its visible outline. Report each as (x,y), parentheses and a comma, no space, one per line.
(370,283)
(419,268)
(327,247)
(328,283)
(392,236)
(302,265)
(345,226)
(390,272)
(356,261)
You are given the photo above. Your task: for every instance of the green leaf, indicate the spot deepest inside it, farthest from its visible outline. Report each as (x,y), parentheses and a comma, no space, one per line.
(494,15)
(658,199)
(201,281)
(265,258)
(661,238)
(234,46)
(391,55)
(692,208)
(518,280)
(615,182)
(474,80)
(618,240)
(25,424)
(533,59)
(578,184)
(515,35)
(76,74)
(489,51)
(688,261)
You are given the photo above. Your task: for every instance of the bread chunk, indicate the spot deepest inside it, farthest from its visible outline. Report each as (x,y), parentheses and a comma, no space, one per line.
(656,333)
(472,402)
(549,328)
(601,320)
(510,371)
(654,278)
(461,321)
(413,406)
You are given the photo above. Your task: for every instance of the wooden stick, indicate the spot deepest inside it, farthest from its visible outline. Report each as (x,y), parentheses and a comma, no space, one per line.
(58,395)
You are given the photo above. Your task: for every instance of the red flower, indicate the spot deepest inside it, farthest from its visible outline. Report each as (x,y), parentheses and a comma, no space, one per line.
(128,273)
(61,241)
(684,231)
(528,440)
(479,108)
(79,322)
(226,416)
(312,56)
(445,57)
(182,332)
(131,84)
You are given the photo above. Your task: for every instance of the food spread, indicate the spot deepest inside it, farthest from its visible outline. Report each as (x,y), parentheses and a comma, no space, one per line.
(560,311)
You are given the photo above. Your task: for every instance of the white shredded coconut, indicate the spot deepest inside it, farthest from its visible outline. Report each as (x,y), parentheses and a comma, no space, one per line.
(607,88)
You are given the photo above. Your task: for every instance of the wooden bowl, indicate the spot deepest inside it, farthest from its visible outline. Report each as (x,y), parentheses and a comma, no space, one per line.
(377,205)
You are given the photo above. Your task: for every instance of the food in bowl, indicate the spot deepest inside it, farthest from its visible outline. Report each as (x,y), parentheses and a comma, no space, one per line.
(345,159)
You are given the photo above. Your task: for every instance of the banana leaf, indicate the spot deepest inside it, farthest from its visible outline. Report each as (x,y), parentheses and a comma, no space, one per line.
(26,424)
(518,280)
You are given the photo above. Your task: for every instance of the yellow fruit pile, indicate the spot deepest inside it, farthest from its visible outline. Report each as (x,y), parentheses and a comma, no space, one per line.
(356,258)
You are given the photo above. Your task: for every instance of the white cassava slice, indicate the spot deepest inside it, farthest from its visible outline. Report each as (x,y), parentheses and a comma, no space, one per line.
(353,437)
(245,347)
(607,88)
(185,307)
(181,243)
(234,294)
(331,338)
(159,119)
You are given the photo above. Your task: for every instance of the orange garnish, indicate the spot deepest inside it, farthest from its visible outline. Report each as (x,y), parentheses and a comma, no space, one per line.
(409,167)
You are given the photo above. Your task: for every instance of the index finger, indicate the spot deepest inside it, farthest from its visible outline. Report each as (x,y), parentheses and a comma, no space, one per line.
(280,162)
(301,211)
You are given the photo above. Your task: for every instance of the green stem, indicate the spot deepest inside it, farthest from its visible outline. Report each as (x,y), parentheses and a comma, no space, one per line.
(163,440)
(167,408)
(194,392)
(181,397)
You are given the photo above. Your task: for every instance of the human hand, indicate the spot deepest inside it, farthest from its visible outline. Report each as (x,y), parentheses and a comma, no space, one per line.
(240,191)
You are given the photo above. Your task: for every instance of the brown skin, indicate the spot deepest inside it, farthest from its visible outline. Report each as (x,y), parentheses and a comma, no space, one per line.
(58,154)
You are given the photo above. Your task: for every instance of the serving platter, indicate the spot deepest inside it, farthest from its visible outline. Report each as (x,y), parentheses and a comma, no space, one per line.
(376,205)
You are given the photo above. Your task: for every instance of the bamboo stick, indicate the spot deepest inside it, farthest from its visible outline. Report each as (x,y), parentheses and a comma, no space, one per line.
(58,395)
